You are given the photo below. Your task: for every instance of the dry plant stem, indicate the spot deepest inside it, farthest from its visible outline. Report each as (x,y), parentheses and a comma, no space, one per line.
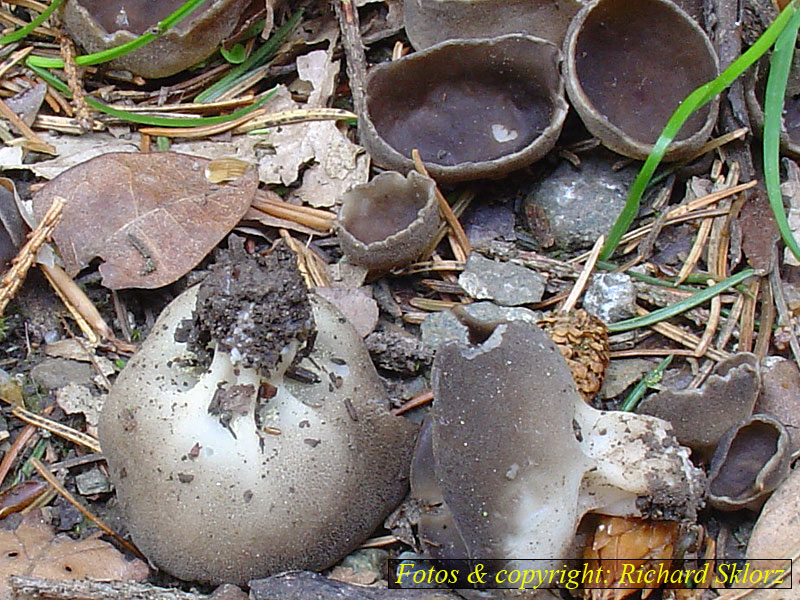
(202,131)
(447,212)
(646,247)
(75,83)
(68,433)
(82,309)
(15,57)
(418,400)
(726,332)
(51,479)
(747,326)
(650,352)
(432,305)
(718,142)
(765,324)
(291,117)
(32,588)
(42,31)
(304,215)
(34,141)
(380,542)
(347,14)
(14,277)
(696,251)
(682,337)
(26,436)
(308,262)
(583,278)
(711,327)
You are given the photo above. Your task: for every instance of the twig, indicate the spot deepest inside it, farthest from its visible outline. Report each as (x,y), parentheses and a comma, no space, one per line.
(583,278)
(34,141)
(418,400)
(52,480)
(75,82)
(748,324)
(68,433)
(347,14)
(13,279)
(682,337)
(304,215)
(444,207)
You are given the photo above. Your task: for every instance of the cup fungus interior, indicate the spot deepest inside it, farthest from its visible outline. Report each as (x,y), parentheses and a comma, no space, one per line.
(658,58)
(464,103)
(752,448)
(374,217)
(135,16)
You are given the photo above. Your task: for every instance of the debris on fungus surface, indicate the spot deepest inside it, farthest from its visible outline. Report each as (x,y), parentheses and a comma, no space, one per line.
(512,457)
(250,434)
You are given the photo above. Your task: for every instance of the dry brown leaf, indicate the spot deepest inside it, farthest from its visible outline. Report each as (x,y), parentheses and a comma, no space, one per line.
(150,217)
(32,549)
(759,230)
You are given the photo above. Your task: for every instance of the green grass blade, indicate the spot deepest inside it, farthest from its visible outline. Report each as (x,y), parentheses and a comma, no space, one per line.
(106,55)
(699,97)
(675,309)
(152,120)
(649,380)
(780,66)
(23,31)
(256,59)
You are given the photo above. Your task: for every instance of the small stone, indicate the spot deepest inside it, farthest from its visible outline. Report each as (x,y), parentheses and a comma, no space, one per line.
(489,222)
(575,206)
(53,373)
(441,327)
(506,283)
(611,297)
(92,482)
(622,374)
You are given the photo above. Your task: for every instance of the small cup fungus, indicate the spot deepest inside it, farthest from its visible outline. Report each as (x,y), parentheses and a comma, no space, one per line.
(389,221)
(514,457)
(473,108)
(277,454)
(102,24)
(750,462)
(628,65)
(429,22)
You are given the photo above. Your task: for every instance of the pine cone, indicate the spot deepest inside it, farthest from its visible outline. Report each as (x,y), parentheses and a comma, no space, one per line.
(583,340)
(638,542)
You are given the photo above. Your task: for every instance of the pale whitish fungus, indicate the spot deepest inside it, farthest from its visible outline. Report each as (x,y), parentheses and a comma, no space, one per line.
(102,24)
(236,469)
(515,457)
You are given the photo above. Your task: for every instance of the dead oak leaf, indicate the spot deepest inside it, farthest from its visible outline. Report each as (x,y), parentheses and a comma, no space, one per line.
(32,549)
(151,217)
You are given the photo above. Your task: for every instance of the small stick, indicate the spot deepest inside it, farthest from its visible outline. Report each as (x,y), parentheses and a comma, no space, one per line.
(347,15)
(75,83)
(583,278)
(447,212)
(51,479)
(68,433)
(418,400)
(34,141)
(14,277)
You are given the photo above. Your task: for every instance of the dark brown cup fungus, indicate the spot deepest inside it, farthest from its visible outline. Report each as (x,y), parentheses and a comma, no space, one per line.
(389,221)
(628,65)
(236,469)
(750,462)
(473,108)
(102,24)
(430,22)
(514,457)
